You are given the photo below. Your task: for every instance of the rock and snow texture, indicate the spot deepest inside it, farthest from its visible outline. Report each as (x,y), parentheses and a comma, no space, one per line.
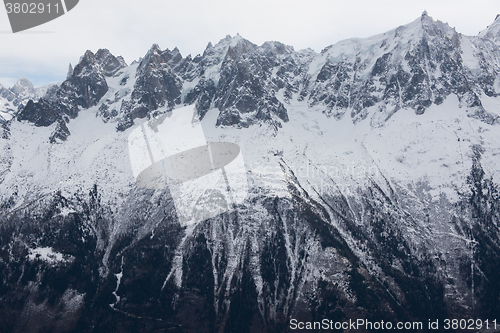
(493,31)
(11,99)
(372,174)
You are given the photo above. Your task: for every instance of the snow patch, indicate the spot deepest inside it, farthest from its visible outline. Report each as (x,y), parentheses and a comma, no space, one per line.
(47,254)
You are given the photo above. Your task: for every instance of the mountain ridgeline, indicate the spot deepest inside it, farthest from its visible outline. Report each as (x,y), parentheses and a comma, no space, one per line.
(413,66)
(373,179)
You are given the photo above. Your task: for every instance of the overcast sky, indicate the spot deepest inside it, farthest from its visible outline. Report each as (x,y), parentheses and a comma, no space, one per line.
(129,28)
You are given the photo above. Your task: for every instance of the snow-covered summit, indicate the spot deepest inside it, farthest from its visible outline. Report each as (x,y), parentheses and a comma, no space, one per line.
(492,32)
(22,87)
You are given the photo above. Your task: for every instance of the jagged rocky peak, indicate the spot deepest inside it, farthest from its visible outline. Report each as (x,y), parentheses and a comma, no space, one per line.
(23,86)
(102,61)
(276,48)
(235,42)
(82,89)
(174,60)
(435,28)
(209,47)
(492,32)
(424,27)
(152,58)
(211,56)
(11,99)
(238,46)
(157,85)
(109,63)
(173,56)
(86,64)
(15,98)
(398,40)
(88,83)
(413,66)
(229,46)
(235,77)
(158,60)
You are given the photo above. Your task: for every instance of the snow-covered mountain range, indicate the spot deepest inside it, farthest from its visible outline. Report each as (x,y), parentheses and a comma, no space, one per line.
(372,171)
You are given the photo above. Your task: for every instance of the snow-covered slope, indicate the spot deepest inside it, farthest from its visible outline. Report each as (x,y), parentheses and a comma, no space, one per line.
(371,177)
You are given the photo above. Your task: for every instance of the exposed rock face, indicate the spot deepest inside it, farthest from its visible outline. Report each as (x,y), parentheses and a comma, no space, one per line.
(157,84)
(41,113)
(413,66)
(110,64)
(245,92)
(82,89)
(372,170)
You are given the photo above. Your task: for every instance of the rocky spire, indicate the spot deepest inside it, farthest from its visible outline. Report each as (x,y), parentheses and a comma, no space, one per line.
(70,71)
